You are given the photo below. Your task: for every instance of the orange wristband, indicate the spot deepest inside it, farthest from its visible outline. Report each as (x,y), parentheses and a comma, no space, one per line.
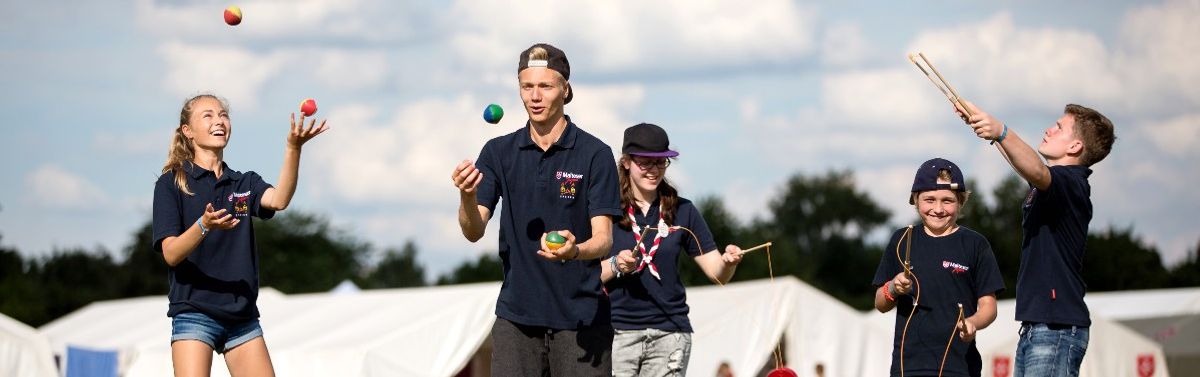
(887,291)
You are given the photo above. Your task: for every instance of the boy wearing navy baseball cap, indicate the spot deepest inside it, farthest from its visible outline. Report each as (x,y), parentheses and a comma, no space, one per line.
(942,277)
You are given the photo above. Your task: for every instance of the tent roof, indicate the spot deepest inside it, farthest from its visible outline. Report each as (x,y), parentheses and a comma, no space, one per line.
(24,351)
(1149,303)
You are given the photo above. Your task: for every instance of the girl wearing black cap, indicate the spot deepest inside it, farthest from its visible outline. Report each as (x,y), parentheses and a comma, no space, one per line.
(941,277)
(649,306)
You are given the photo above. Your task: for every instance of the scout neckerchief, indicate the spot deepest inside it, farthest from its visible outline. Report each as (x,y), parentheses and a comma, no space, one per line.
(648,257)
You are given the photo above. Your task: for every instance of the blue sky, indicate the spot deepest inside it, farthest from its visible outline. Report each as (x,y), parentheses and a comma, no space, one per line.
(750,93)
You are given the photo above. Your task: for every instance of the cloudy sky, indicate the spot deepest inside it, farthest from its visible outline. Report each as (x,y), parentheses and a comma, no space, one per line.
(751,92)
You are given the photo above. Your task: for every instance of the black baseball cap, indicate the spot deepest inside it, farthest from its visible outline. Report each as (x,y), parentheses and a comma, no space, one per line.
(556,60)
(926,178)
(647,140)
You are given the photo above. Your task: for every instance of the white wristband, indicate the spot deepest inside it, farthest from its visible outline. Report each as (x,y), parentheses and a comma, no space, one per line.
(203,230)
(613,262)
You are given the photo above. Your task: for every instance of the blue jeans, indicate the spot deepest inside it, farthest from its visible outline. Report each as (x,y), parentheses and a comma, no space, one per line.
(1050,350)
(650,353)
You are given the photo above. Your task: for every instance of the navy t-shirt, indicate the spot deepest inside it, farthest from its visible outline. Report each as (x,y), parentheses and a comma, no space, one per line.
(220,277)
(1050,285)
(558,189)
(639,300)
(955,269)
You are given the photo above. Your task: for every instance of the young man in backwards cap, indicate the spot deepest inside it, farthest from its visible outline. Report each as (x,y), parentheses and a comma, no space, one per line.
(554,177)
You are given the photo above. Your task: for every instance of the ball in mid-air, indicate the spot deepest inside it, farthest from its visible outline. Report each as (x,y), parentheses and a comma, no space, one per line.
(555,240)
(308,107)
(233,15)
(782,372)
(492,113)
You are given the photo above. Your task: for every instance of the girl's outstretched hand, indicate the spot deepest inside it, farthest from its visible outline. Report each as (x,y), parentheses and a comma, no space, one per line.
(300,134)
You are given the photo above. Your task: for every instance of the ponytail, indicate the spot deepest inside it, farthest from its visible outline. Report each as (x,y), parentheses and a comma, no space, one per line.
(181,150)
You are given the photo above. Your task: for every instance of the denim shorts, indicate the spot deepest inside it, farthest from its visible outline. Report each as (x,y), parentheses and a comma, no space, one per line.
(222,336)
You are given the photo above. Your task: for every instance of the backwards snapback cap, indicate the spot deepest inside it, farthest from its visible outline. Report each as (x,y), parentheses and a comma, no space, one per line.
(926,178)
(555,59)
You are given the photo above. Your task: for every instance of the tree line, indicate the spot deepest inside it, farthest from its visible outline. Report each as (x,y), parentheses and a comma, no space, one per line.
(820,226)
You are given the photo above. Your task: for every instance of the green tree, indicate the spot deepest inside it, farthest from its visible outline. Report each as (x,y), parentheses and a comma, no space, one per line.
(72,278)
(21,298)
(486,268)
(300,252)
(817,225)
(725,229)
(1187,273)
(1000,223)
(1117,260)
(144,268)
(399,268)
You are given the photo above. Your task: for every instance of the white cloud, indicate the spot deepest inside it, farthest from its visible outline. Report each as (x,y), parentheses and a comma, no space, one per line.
(1003,65)
(310,20)
(747,201)
(351,70)
(1177,136)
(887,98)
(668,35)
(50,186)
(409,158)
(230,72)
(843,44)
(1158,55)
(126,143)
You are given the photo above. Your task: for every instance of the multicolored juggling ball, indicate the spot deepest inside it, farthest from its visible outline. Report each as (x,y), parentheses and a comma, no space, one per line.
(555,240)
(493,113)
(233,15)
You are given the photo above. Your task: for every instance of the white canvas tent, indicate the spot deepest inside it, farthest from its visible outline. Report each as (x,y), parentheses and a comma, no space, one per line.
(436,331)
(1113,349)
(131,327)
(1169,316)
(24,351)
(741,323)
(397,332)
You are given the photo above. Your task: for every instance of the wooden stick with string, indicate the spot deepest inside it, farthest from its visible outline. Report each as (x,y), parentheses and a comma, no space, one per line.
(768,244)
(956,98)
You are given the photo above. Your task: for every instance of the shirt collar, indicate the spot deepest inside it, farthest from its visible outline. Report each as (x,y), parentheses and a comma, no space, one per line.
(565,141)
(196,171)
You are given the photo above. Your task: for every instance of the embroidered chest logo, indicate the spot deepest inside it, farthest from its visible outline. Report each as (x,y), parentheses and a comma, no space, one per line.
(567,182)
(955,268)
(241,203)
(1029,198)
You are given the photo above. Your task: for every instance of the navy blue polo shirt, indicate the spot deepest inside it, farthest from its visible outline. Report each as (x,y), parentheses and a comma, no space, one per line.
(639,301)
(953,269)
(1050,285)
(561,188)
(220,277)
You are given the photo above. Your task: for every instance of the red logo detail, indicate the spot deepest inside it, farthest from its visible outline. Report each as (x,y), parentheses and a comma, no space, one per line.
(1166,333)
(242,205)
(1145,365)
(1000,366)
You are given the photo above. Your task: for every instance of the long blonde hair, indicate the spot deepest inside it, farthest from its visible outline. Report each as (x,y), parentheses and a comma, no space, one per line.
(181,150)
